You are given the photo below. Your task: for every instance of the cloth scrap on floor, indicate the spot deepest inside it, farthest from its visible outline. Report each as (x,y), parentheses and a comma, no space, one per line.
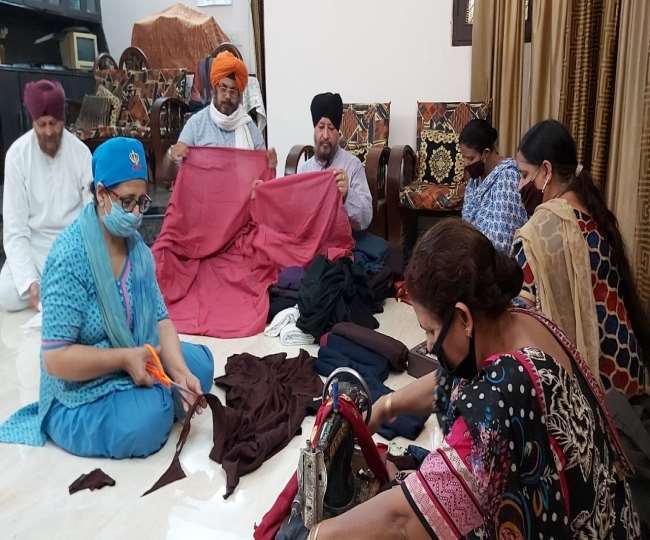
(374,368)
(269,397)
(219,250)
(95,479)
(335,291)
(281,320)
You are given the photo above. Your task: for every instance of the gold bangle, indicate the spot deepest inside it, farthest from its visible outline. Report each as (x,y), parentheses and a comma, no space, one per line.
(389,406)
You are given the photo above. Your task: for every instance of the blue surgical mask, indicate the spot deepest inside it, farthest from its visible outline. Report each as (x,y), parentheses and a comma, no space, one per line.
(121,223)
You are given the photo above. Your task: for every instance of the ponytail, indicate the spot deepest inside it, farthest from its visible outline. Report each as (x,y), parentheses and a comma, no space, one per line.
(583,186)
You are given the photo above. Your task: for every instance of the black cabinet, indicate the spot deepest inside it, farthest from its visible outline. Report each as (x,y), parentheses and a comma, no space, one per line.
(77,9)
(14,119)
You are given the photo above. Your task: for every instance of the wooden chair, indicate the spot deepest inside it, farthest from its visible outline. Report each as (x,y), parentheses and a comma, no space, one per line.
(134,113)
(133,59)
(105,61)
(364,133)
(431,182)
(168,116)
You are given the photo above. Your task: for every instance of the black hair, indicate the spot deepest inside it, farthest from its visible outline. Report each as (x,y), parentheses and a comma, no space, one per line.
(479,135)
(453,262)
(551,141)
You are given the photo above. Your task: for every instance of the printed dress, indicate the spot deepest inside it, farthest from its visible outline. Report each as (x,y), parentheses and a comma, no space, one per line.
(620,355)
(494,207)
(529,452)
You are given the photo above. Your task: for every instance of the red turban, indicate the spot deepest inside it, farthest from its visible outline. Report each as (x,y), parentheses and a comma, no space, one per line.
(226,64)
(45,98)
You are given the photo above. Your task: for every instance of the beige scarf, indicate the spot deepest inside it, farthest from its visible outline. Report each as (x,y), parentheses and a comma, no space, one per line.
(559,259)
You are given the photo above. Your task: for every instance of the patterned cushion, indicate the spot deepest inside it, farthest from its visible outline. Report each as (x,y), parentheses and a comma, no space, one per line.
(426,196)
(439,181)
(363,126)
(439,159)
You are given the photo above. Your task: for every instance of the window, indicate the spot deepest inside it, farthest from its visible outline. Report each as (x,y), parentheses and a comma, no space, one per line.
(463,17)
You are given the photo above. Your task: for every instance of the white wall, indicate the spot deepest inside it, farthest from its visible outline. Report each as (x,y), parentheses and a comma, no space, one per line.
(368,51)
(118,17)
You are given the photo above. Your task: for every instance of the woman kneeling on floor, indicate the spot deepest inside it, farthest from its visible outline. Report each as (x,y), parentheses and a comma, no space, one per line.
(101,305)
(529,448)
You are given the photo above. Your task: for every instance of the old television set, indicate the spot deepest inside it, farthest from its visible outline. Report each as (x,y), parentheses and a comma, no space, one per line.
(78,50)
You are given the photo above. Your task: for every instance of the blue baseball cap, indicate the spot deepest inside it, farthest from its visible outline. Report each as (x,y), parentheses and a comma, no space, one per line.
(118,160)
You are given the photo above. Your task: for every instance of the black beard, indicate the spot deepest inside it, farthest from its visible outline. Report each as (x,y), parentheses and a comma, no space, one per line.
(327,154)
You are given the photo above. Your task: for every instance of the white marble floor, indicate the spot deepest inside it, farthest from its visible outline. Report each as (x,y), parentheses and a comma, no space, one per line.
(34,500)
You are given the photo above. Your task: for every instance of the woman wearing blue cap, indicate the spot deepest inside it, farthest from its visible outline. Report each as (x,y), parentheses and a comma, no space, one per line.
(101,306)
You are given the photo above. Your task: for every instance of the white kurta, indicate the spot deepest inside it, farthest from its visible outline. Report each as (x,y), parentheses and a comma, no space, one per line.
(42,195)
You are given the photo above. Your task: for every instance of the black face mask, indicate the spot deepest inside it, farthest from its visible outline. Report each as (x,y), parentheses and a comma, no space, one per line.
(476,169)
(467,368)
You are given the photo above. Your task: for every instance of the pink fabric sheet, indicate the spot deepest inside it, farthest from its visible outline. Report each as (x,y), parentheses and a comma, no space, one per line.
(219,250)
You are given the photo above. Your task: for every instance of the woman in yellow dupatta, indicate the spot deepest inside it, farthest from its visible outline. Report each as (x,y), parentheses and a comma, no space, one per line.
(575,268)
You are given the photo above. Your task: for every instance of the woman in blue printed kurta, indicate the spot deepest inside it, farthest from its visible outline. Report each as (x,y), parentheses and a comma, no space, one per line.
(492,202)
(101,305)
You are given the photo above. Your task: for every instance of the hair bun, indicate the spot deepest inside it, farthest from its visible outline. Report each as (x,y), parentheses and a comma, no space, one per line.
(509,274)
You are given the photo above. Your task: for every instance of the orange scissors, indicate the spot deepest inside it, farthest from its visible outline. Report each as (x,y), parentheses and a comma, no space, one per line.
(155,368)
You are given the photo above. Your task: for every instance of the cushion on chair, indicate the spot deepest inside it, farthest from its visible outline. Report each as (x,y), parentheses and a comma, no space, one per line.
(439,181)
(426,196)
(363,126)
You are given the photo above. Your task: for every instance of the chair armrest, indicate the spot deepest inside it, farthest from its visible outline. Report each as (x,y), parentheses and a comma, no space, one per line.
(159,145)
(401,171)
(376,163)
(293,158)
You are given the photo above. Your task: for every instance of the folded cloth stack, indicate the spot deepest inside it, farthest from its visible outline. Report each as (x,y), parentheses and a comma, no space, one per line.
(332,292)
(284,325)
(372,354)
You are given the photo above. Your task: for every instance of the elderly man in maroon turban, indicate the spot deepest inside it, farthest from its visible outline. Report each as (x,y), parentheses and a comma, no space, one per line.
(224,122)
(47,175)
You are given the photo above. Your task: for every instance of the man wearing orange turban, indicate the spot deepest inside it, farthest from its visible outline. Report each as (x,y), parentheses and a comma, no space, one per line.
(224,122)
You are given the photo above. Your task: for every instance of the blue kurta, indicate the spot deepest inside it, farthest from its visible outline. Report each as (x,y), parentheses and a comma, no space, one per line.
(493,205)
(71,316)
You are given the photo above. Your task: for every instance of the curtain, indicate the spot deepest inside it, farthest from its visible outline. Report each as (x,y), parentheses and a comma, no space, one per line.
(624,173)
(257,14)
(497,65)
(549,47)
(590,70)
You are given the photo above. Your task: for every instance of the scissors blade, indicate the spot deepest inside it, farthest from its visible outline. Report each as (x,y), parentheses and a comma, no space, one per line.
(184,388)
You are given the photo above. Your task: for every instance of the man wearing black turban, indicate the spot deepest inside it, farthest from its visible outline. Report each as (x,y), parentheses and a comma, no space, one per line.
(326,115)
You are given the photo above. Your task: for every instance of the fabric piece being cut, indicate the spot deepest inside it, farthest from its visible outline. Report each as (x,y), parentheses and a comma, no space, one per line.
(219,251)
(95,479)
(335,291)
(267,399)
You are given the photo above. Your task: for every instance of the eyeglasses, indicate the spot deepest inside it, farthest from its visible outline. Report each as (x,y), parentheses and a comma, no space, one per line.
(234,92)
(129,203)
